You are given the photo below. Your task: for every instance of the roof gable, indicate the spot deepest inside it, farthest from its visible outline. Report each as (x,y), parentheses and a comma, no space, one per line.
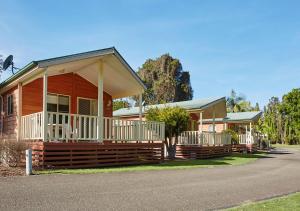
(70,58)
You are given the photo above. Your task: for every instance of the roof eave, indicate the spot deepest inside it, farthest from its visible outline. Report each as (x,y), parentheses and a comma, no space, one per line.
(213,103)
(69,58)
(21,72)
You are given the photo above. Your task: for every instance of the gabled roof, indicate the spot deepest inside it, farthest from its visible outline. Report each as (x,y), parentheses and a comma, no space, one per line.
(188,105)
(238,117)
(70,58)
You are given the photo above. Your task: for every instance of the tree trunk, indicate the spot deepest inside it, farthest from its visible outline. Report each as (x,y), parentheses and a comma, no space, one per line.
(171,148)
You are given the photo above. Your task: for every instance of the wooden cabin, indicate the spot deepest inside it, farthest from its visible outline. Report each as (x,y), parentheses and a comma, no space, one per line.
(243,123)
(64,104)
(195,142)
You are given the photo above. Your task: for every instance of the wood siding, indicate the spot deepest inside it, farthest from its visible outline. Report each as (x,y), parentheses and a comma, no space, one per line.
(66,84)
(87,155)
(10,121)
(202,152)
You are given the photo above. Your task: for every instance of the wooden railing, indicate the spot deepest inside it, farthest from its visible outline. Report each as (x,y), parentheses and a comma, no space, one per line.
(65,126)
(248,138)
(205,138)
(31,126)
(132,130)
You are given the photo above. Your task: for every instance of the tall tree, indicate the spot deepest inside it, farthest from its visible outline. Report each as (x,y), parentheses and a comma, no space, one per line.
(281,120)
(238,103)
(256,108)
(272,120)
(233,102)
(290,115)
(165,80)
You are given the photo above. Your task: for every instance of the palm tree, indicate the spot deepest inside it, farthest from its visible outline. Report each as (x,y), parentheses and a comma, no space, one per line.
(234,102)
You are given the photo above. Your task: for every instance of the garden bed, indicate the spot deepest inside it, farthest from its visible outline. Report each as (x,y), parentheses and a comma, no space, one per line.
(11,171)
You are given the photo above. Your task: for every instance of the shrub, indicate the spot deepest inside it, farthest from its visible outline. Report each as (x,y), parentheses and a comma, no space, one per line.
(12,151)
(234,136)
(176,121)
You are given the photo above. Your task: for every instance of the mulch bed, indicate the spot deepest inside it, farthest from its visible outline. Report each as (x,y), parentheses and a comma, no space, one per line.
(11,171)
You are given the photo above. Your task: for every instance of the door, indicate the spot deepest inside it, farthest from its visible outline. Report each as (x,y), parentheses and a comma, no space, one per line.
(87,107)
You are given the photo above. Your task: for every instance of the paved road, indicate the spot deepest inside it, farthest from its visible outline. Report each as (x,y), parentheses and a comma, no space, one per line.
(193,189)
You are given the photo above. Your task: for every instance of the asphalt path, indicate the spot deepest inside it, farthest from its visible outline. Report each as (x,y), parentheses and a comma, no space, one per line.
(189,189)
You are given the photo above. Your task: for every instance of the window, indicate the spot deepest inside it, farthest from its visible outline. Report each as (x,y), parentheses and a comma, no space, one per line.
(10,105)
(58,103)
(87,107)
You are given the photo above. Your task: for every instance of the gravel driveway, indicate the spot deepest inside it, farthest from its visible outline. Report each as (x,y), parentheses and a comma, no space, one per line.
(190,189)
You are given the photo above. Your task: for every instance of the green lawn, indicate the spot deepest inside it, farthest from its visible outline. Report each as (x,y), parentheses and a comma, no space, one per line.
(290,202)
(297,147)
(235,159)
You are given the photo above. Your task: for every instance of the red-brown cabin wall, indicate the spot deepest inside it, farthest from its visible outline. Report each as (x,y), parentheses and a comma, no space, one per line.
(69,84)
(9,129)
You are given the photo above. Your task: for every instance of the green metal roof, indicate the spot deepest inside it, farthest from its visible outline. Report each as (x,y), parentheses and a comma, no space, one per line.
(189,105)
(67,58)
(238,117)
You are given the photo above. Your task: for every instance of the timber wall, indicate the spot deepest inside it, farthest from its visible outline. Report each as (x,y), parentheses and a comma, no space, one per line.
(69,84)
(88,155)
(244,148)
(10,122)
(202,152)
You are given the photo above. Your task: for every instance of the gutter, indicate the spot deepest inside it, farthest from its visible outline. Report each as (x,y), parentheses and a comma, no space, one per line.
(18,74)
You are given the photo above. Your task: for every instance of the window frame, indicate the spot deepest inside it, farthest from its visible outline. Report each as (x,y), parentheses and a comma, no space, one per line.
(12,104)
(57,105)
(85,98)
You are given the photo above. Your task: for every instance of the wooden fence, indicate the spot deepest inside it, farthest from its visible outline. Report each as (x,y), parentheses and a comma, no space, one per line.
(244,147)
(88,155)
(200,152)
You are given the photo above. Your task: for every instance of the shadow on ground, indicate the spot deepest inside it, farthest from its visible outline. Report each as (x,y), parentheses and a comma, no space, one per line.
(228,160)
(280,152)
(250,155)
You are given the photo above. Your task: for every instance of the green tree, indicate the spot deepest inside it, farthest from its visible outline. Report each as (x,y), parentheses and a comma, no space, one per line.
(238,103)
(233,102)
(290,113)
(244,106)
(272,120)
(165,80)
(118,104)
(176,121)
(256,108)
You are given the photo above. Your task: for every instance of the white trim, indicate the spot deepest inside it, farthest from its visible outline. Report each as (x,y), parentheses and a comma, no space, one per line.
(57,94)
(45,97)
(100,102)
(19,113)
(16,81)
(214,125)
(201,121)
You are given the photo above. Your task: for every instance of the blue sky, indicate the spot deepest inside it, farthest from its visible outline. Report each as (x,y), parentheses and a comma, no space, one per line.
(251,46)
